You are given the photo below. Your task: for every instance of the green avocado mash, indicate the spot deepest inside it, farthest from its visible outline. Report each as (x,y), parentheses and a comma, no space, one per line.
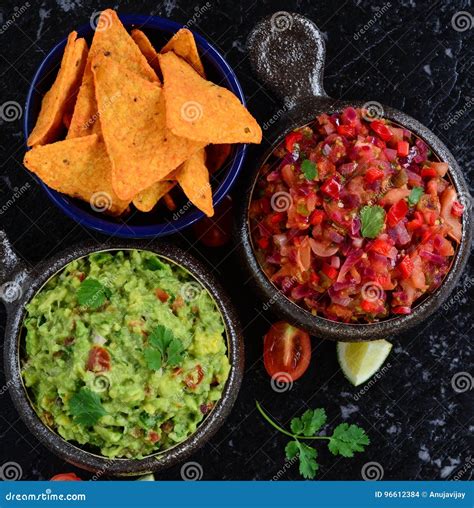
(125,352)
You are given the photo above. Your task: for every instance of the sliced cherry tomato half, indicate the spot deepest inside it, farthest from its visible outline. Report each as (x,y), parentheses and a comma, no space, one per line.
(98,360)
(286,352)
(216,231)
(66,477)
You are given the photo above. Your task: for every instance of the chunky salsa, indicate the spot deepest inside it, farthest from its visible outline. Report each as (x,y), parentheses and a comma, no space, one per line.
(353,218)
(125,352)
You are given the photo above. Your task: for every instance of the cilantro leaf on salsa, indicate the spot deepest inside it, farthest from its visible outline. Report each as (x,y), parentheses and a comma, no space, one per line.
(86,407)
(415,195)
(92,293)
(309,169)
(164,348)
(372,220)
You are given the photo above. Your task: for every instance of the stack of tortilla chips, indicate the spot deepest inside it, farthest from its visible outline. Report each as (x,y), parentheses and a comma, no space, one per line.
(138,121)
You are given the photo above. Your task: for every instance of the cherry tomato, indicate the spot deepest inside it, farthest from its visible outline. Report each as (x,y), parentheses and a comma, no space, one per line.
(216,231)
(286,352)
(291,139)
(381,129)
(66,477)
(99,359)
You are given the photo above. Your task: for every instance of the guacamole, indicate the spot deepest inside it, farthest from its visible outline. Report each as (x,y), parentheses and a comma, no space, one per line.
(124,352)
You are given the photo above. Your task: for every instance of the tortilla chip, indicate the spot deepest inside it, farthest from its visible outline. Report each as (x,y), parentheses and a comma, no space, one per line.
(183,44)
(133,122)
(147,199)
(80,168)
(147,49)
(216,155)
(203,111)
(193,177)
(111,40)
(49,123)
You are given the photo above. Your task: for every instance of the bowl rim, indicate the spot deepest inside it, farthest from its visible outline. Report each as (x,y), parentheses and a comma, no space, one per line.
(189,217)
(318,325)
(73,453)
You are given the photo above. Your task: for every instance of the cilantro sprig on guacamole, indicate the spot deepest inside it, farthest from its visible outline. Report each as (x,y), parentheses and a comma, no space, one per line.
(119,358)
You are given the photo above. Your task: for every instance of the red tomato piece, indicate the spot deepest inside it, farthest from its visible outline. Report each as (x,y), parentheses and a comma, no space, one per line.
(368,306)
(397,212)
(381,130)
(98,360)
(428,172)
(291,139)
(457,209)
(403,148)
(330,271)
(381,246)
(373,174)
(161,295)
(406,267)
(286,352)
(346,130)
(194,378)
(317,217)
(331,188)
(66,477)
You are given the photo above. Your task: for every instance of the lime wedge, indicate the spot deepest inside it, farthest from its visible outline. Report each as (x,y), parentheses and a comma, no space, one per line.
(361,360)
(147,478)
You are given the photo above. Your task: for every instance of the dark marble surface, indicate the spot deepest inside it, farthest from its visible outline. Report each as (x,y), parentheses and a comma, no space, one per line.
(406,54)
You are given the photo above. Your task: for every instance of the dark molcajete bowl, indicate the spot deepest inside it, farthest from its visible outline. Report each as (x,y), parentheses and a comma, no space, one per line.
(287,54)
(20,285)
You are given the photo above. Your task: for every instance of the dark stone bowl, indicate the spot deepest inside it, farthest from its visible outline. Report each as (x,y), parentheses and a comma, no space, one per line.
(287,54)
(22,286)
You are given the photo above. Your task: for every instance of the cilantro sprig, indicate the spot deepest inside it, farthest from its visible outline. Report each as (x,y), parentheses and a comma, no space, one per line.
(345,440)
(415,195)
(92,293)
(86,407)
(372,220)
(164,349)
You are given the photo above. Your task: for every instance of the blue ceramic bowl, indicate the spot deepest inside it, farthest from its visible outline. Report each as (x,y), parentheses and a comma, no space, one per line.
(137,224)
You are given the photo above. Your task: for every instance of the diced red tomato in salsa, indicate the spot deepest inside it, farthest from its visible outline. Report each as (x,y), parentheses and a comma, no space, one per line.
(322,248)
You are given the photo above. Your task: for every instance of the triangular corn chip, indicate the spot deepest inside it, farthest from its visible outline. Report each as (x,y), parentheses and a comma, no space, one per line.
(111,40)
(201,110)
(147,49)
(80,168)
(147,199)
(193,177)
(133,122)
(49,123)
(183,44)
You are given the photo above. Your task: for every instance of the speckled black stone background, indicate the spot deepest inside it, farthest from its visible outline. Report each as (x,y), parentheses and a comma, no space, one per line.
(411,58)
